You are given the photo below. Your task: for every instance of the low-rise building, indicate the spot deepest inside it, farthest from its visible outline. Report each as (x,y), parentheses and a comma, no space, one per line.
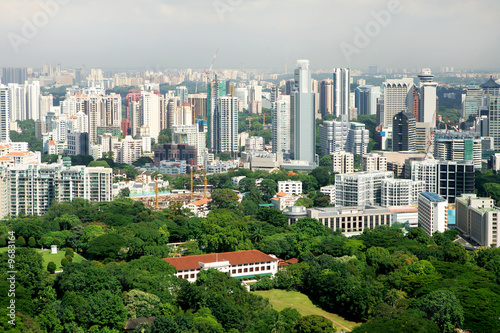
(407,215)
(200,208)
(290,186)
(239,264)
(478,219)
(330,191)
(284,200)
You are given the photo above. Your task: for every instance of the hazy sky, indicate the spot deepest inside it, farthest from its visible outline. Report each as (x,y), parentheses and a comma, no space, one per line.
(161,34)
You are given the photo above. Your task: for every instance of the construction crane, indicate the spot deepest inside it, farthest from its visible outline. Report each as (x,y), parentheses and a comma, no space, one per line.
(250,119)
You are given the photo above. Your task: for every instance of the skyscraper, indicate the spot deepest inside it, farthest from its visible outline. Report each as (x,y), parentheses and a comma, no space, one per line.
(225,129)
(326,97)
(281,125)
(404,130)
(341,85)
(472,100)
(428,98)
(4,114)
(182,93)
(398,96)
(494,120)
(215,89)
(303,122)
(14,75)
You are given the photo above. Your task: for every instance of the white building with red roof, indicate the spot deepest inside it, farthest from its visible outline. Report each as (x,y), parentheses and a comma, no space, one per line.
(284,200)
(200,208)
(239,264)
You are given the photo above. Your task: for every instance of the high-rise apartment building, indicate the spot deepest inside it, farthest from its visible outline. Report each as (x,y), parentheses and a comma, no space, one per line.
(4,114)
(400,192)
(472,102)
(374,162)
(342,162)
(281,125)
(404,129)
(215,90)
(127,151)
(182,93)
(494,121)
(192,135)
(14,75)
(432,213)
(360,188)
(341,90)
(303,117)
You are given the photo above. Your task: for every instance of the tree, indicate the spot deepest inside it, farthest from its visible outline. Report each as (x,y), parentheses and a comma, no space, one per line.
(322,175)
(106,246)
(51,267)
(223,156)
(31,242)
(444,309)
(99,164)
(224,198)
(142,161)
(306,202)
(165,136)
(107,309)
(272,216)
(326,161)
(223,231)
(64,262)
(268,189)
(140,304)
(125,192)
(309,226)
(3,242)
(322,201)
(20,242)
(313,324)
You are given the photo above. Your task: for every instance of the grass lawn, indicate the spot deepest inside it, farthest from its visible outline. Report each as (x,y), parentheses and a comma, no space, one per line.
(56,258)
(281,299)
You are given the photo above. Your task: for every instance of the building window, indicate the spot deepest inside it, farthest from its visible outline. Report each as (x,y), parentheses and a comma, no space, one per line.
(192,276)
(268,268)
(239,270)
(251,269)
(256,269)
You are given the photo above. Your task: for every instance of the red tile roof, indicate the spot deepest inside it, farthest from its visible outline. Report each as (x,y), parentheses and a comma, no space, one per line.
(281,194)
(201,202)
(234,258)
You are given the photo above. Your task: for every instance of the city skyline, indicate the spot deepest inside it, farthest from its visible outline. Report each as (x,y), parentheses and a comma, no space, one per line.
(158,34)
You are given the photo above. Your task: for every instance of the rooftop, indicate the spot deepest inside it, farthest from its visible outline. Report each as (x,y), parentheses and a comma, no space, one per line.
(433,196)
(234,258)
(490,84)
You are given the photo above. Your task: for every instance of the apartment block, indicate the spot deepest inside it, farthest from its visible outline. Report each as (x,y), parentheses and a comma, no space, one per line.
(478,218)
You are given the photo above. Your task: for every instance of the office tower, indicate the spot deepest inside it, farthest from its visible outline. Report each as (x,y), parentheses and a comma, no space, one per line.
(177,152)
(404,132)
(360,189)
(401,192)
(432,213)
(428,98)
(32,91)
(14,75)
(478,218)
(472,102)
(336,136)
(215,90)
(192,135)
(182,93)
(490,88)
(374,162)
(242,94)
(281,125)
(398,96)
(303,118)
(341,89)
(4,114)
(458,146)
(315,91)
(362,99)
(447,178)
(326,97)
(289,87)
(342,162)
(424,137)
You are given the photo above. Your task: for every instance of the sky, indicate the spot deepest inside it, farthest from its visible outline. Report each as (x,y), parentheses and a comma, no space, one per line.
(260,34)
